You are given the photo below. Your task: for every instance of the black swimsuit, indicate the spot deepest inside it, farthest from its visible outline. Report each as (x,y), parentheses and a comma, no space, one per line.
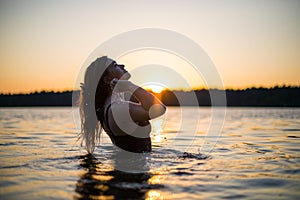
(127,142)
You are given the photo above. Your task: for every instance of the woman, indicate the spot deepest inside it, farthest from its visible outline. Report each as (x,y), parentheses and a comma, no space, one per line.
(102,100)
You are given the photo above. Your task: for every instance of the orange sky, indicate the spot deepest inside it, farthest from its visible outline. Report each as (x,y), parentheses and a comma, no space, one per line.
(45,43)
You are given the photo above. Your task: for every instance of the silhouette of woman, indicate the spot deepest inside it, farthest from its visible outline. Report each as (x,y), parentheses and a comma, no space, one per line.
(103,106)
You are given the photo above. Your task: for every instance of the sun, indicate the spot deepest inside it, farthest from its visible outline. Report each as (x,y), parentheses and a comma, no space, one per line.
(155,88)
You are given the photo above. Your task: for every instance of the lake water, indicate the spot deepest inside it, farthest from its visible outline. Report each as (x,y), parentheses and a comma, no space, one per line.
(257,157)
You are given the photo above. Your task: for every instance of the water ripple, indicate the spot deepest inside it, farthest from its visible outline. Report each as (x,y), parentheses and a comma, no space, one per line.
(256,157)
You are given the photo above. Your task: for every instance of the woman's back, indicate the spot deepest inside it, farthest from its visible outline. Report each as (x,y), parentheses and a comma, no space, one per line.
(135,141)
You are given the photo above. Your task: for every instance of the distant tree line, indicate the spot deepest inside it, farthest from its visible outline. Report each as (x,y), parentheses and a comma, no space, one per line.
(37,99)
(284,96)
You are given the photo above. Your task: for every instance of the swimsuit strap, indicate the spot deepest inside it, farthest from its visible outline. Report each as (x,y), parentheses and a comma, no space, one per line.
(106,122)
(106,118)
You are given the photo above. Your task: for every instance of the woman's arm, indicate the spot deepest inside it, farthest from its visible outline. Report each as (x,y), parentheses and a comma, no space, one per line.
(150,106)
(149,102)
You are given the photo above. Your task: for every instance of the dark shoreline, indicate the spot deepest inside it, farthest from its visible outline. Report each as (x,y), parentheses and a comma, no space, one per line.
(284,96)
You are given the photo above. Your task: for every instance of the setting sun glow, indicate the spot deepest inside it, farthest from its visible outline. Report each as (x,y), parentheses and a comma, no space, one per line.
(155,88)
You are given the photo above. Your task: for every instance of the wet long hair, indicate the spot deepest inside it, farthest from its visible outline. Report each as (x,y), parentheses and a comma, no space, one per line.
(94,92)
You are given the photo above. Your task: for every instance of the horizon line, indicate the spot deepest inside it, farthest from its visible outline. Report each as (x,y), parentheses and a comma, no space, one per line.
(166,89)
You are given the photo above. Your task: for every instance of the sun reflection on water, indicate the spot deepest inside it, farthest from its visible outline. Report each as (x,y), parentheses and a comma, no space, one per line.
(154,195)
(157,125)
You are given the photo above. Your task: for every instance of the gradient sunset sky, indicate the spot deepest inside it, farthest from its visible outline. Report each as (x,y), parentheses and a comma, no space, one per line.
(45,42)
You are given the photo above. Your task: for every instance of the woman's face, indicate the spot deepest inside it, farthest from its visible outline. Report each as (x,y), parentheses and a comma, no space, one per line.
(118,71)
